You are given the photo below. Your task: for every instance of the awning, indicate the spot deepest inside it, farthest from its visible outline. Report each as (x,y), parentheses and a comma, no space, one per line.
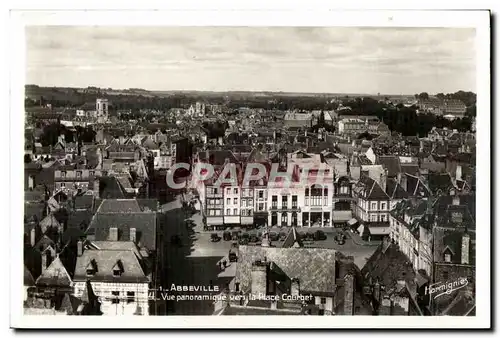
(352,221)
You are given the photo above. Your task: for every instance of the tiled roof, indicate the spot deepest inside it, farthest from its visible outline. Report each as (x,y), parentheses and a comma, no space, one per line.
(105,261)
(119,206)
(391,163)
(55,275)
(315,268)
(143,222)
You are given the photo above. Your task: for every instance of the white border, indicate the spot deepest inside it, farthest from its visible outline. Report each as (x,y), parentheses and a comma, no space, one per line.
(479,20)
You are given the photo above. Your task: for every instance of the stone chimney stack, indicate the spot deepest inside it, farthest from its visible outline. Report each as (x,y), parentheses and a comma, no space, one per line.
(79,248)
(259,278)
(133,234)
(465,248)
(348,295)
(295,287)
(33,237)
(458,174)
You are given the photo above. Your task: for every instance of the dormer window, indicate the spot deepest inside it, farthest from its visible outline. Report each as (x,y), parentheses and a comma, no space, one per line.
(91,268)
(118,269)
(447,255)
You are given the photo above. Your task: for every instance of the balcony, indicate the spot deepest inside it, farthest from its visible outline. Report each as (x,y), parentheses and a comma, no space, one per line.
(285,208)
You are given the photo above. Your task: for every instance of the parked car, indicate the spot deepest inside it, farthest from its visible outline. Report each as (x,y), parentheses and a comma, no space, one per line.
(227,236)
(282,236)
(309,236)
(215,238)
(319,235)
(274,236)
(235,235)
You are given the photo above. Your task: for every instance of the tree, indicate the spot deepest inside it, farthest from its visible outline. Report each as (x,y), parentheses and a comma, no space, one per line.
(27,158)
(423,96)
(440,96)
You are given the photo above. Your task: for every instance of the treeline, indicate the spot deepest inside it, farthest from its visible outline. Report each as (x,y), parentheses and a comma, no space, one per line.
(404,120)
(468,98)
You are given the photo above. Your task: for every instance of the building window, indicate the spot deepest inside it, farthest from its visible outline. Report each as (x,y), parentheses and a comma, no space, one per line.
(235,201)
(228,190)
(218,212)
(115,295)
(306,200)
(447,258)
(130,296)
(78,174)
(294,201)
(228,201)
(323,300)
(228,211)
(284,218)
(63,174)
(261,194)
(374,206)
(235,212)
(284,202)
(275,201)
(382,205)
(383,218)
(63,185)
(243,203)
(117,272)
(235,190)
(216,191)
(373,218)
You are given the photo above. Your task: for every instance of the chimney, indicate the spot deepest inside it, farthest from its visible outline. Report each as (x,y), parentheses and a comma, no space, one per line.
(404,182)
(133,235)
(465,248)
(348,295)
(33,237)
(295,287)
(459,172)
(113,234)
(79,248)
(456,200)
(259,278)
(383,180)
(376,292)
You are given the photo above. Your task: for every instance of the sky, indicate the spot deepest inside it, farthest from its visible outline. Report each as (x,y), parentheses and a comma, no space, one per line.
(289,59)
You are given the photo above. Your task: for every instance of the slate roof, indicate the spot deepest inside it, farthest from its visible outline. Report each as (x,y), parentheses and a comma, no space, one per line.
(55,275)
(370,189)
(143,222)
(416,187)
(105,261)
(388,265)
(315,268)
(109,187)
(49,222)
(217,157)
(81,202)
(391,163)
(410,168)
(395,190)
(439,182)
(119,206)
(28,277)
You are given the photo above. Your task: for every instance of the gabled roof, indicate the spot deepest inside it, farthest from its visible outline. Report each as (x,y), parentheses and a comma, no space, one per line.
(49,222)
(55,275)
(391,163)
(28,277)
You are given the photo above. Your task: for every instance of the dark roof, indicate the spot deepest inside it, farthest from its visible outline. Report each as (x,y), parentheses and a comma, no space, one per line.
(83,202)
(395,190)
(410,168)
(217,157)
(388,265)
(119,206)
(314,268)
(391,163)
(439,182)
(143,222)
(109,188)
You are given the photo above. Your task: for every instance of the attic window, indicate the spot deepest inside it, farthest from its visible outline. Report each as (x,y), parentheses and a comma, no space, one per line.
(92,268)
(447,257)
(118,269)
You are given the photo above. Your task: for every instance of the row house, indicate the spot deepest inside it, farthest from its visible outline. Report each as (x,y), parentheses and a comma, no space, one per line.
(75,178)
